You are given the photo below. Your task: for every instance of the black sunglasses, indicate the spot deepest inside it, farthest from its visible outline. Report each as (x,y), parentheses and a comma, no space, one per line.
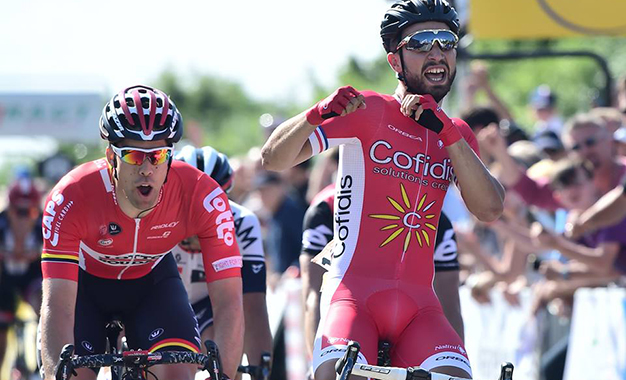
(424,40)
(589,142)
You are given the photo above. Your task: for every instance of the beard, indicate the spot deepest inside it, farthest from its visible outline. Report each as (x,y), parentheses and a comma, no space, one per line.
(418,84)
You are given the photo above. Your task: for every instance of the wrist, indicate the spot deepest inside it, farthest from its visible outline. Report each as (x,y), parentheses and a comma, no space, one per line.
(450,134)
(313,115)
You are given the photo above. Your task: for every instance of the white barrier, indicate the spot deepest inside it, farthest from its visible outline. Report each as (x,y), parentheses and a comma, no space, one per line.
(597,345)
(499,332)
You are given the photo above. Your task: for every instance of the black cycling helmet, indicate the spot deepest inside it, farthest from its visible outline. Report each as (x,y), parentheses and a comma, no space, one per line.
(156,118)
(407,12)
(210,161)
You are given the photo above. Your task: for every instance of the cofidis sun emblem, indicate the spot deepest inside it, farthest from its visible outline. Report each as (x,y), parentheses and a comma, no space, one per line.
(410,220)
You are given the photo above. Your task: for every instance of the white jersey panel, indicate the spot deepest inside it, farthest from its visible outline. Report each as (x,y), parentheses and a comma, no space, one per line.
(248,234)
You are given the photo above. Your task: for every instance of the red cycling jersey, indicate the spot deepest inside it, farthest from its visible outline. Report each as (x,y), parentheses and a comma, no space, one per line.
(84,226)
(392,179)
(393,176)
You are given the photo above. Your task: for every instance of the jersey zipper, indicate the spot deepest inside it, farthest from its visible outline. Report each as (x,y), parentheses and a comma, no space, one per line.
(137,221)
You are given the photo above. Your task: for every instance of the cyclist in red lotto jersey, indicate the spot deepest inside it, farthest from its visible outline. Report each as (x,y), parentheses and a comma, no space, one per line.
(108,228)
(398,155)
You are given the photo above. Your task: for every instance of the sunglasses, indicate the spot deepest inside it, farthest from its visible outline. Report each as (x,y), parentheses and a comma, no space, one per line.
(424,40)
(136,156)
(591,141)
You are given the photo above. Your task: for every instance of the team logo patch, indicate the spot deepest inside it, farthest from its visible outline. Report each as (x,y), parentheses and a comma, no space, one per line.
(87,346)
(227,263)
(256,268)
(105,242)
(114,229)
(416,223)
(155,334)
(103,230)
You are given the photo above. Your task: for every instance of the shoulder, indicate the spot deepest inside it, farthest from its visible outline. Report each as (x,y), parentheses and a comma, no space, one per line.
(326,195)
(189,181)
(88,178)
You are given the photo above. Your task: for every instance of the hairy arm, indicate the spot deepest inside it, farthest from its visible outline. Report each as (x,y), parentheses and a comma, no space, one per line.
(57,320)
(447,290)
(257,338)
(482,193)
(226,300)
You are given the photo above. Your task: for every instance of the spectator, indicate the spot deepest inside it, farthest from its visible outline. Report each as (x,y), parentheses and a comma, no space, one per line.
(584,137)
(543,103)
(550,144)
(282,216)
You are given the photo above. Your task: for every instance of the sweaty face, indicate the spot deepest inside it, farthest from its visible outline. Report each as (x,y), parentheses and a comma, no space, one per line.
(429,72)
(140,184)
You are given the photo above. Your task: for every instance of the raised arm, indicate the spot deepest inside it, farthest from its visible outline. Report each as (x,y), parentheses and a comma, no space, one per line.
(482,193)
(607,211)
(287,146)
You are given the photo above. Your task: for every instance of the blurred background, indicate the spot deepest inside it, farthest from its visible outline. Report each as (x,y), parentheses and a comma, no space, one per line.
(238,69)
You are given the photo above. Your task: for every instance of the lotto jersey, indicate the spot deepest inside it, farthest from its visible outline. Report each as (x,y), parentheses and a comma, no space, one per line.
(392,179)
(248,234)
(84,227)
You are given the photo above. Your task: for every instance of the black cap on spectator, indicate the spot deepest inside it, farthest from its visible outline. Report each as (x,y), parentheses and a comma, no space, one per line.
(480,117)
(548,141)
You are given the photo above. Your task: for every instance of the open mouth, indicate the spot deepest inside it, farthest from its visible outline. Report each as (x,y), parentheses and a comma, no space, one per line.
(436,75)
(144,190)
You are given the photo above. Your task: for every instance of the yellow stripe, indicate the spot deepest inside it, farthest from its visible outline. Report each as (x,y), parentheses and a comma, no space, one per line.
(51,256)
(169,344)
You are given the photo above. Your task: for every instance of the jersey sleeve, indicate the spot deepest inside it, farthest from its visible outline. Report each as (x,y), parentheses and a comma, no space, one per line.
(317,228)
(213,221)
(248,230)
(446,253)
(467,134)
(61,229)
(347,129)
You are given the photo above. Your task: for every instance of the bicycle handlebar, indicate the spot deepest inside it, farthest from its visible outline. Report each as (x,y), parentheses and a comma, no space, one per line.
(139,359)
(347,366)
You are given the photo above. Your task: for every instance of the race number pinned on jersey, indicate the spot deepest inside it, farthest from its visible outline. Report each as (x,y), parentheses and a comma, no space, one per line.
(324,258)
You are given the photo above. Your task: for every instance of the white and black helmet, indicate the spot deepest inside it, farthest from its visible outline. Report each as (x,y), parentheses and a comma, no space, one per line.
(210,161)
(141,113)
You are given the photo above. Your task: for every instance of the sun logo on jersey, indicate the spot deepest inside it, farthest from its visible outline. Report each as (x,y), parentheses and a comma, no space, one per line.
(415,221)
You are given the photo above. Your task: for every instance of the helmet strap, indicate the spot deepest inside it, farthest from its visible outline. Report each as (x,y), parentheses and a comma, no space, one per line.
(401,77)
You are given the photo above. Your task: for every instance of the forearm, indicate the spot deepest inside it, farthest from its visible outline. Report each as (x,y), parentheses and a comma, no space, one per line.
(258,338)
(229,335)
(447,290)
(608,211)
(591,257)
(311,283)
(57,322)
(498,105)
(482,193)
(287,146)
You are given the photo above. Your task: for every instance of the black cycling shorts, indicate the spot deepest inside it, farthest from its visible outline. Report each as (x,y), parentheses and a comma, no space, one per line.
(154,309)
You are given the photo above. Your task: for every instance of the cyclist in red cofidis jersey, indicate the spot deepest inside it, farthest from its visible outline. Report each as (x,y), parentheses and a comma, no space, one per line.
(108,228)
(398,155)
